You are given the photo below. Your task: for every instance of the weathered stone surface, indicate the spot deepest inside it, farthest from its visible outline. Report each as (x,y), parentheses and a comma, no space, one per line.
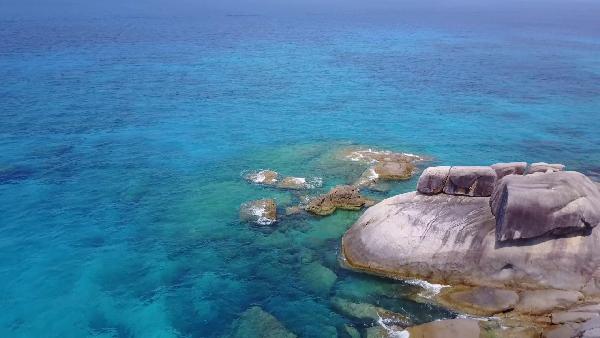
(512,168)
(394,170)
(374,156)
(593,333)
(256,323)
(263,212)
(480,301)
(544,301)
(433,180)
(570,316)
(451,328)
(293,210)
(470,181)
(266,177)
(345,197)
(556,203)
(561,331)
(543,167)
(294,183)
(451,240)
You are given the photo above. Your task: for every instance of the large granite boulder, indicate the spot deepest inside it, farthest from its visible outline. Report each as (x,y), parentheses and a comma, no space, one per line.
(345,197)
(433,180)
(554,203)
(470,181)
(451,240)
(512,168)
(262,212)
(543,167)
(480,301)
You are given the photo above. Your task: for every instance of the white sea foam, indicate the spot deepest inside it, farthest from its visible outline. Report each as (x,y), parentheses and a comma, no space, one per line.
(314,182)
(259,212)
(392,332)
(429,289)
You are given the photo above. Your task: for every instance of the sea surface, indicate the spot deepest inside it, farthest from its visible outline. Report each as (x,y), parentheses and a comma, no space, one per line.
(124,140)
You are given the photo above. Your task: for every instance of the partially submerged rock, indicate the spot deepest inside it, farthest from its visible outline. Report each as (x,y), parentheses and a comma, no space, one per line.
(555,203)
(433,180)
(368,313)
(543,167)
(266,177)
(317,277)
(295,183)
(511,168)
(256,323)
(345,197)
(451,328)
(480,301)
(374,156)
(394,170)
(262,212)
(470,181)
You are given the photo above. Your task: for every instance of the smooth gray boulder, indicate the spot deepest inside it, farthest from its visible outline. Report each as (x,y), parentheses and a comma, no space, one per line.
(555,203)
(537,302)
(543,167)
(433,180)
(470,181)
(451,240)
(511,168)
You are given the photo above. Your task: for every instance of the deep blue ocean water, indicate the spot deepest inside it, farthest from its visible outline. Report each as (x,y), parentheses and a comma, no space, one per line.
(123,141)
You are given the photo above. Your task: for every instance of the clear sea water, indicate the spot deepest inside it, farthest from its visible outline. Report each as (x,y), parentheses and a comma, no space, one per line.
(124,138)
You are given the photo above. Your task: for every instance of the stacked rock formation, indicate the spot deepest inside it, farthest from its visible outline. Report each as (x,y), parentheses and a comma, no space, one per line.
(516,230)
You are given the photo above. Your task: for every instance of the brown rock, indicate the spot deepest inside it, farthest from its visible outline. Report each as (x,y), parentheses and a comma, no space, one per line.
(544,301)
(294,183)
(394,170)
(451,328)
(262,212)
(266,177)
(345,197)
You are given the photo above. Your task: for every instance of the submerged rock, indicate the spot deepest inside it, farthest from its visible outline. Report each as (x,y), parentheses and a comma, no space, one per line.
(369,313)
(262,212)
(256,323)
(318,278)
(374,156)
(470,181)
(266,177)
(433,180)
(555,203)
(543,167)
(512,168)
(345,197)
(295,183)
(451,240)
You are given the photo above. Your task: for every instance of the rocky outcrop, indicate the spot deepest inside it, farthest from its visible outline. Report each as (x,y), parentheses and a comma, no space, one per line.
(394,170)
(266,177)
(262,212)
(511,168)
(480,301)
(345,197)
(470,181)
(384,166)
(451,240)
(294,183)
(433,180)
(555,203)
(543,167)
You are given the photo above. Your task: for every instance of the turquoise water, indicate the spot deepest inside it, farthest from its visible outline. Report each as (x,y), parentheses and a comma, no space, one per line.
(123,143)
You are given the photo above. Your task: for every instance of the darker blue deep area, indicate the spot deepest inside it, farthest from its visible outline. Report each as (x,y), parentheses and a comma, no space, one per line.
(123,140)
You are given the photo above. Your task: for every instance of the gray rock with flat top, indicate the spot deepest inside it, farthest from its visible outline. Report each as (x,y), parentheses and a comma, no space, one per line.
(511,168)
(471,181)
(556,203)
(433,180)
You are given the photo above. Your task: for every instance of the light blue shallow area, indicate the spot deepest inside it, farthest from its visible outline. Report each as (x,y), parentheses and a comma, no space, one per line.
(123,143)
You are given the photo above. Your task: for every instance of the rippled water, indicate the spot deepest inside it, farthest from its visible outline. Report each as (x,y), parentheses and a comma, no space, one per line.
(123,142)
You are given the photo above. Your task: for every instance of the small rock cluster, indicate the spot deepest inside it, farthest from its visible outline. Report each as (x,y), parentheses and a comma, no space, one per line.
(346,197)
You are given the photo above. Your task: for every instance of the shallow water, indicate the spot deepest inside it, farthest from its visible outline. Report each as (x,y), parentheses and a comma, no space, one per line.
(124,142)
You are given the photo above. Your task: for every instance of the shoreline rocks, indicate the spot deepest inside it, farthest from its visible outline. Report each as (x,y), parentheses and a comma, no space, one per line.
(261,212)
(344,197)
(518,253)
